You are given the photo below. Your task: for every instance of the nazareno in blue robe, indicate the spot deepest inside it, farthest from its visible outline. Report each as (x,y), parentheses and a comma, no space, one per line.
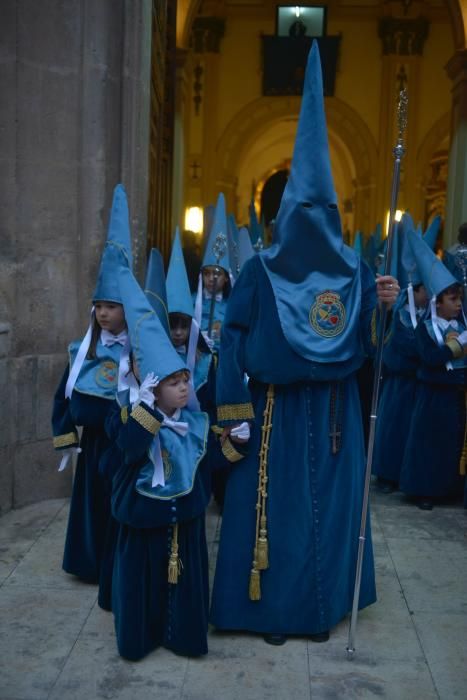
(432,456)
(314,496)
(396,405)
(88,407)
(149,611)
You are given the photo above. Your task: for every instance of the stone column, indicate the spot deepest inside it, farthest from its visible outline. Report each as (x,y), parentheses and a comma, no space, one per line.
(456,208)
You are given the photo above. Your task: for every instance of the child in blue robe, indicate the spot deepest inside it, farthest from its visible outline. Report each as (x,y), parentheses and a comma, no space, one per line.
(83,398)
(160,490)
(432,460)
(400,362)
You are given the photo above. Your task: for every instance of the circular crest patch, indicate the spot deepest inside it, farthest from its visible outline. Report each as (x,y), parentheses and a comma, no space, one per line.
(327,315)
(106,374)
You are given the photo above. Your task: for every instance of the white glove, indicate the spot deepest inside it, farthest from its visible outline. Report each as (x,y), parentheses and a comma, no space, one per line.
(209,341)
(462,338)
(242,431)
(67,455)
(145,392)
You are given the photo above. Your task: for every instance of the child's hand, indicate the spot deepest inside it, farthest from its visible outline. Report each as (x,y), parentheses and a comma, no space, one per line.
(238,433)
(462,338)
(145,392)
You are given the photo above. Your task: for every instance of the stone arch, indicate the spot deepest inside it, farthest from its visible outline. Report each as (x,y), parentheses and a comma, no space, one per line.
(457,10)
(349,137)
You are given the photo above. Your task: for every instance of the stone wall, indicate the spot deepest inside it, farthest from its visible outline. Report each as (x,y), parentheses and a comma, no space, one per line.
(74,117)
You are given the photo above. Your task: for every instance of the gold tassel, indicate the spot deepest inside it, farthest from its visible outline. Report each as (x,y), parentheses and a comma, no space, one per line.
(175,564)
(255,585)
(261,548)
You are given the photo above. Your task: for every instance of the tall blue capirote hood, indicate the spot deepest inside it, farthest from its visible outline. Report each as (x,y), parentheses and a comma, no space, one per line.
(314,276)
(434,275)
(179,295)
(154,287)
(118,235)
(217,247)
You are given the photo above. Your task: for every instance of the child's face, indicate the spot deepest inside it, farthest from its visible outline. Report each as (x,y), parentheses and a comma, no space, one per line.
(110,316)
(179,329)
(209,276)
(450,306)
(172,393)
(420,297)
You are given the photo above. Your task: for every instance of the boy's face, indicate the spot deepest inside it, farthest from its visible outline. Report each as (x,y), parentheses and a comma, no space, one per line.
(450,306)
(209,274)
(172,393)
(110,316)
(420,297)
(179,329)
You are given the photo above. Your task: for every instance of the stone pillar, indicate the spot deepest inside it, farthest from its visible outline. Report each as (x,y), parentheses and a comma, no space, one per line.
(456,209)
(73,72)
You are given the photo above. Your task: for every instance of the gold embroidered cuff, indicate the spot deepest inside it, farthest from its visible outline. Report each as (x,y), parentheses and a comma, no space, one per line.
(230,453)
(455,347)
(217,430)
(144,418)
(67,440)
(235,411)
(124,414)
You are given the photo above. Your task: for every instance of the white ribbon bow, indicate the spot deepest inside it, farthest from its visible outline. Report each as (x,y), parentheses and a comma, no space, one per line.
(180,427)
(108,339)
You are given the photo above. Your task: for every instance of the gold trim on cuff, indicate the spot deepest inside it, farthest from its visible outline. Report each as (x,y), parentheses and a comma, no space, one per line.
(66,440)
(230,453)
(455,347)
(235,411)
(217,430)
(144,418)
(124,414)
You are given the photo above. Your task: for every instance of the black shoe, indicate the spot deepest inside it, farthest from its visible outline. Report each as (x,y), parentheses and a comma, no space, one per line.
(320,637)
(276,639)
(425,504)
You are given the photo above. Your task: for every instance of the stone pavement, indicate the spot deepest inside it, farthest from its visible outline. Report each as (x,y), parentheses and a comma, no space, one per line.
(55,642)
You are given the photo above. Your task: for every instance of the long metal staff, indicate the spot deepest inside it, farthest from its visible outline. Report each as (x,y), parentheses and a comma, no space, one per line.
(219,247)
(398,152)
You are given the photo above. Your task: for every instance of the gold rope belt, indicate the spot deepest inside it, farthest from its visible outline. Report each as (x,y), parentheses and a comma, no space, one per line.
(260,551)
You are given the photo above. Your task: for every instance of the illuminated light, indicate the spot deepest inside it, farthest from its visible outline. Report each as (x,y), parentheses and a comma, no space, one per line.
(194,219)
(397,217)
(297,11)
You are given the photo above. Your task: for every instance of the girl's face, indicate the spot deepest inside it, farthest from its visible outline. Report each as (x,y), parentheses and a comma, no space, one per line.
(110,316)
(179,329)
(450,306)
(172,393)
(209,275)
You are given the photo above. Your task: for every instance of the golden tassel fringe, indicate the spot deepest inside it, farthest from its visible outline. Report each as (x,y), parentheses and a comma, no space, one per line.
(175,563)
(263,547)
(255,585)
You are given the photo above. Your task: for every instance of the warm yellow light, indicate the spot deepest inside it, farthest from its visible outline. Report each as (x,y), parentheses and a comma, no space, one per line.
(194,219)
(297,11)
(397,217)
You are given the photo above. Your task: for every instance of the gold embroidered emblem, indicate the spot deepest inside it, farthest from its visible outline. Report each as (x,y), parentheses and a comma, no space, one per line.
(106,374)
(327,315)
(167,464)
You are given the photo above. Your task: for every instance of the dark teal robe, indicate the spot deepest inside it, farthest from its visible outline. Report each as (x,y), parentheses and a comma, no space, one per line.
(314,496)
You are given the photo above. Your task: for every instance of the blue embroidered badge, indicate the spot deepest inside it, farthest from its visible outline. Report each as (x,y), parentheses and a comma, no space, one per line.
(107,374)
(327,315)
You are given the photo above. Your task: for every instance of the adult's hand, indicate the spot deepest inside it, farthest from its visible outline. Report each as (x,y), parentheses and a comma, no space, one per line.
(228,430)
(387,290)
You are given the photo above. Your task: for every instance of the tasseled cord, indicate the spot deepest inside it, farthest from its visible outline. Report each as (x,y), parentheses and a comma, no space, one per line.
(175,563)
(260,552)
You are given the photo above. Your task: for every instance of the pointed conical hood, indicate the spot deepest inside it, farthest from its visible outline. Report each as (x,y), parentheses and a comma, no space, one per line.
(217,249)
(245,249)
(178,288)
(118,235)
(232,238)
(408,271)
(435,276)
(151,346)
(431,234)
(154,287)
(314,276)
(358,243)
